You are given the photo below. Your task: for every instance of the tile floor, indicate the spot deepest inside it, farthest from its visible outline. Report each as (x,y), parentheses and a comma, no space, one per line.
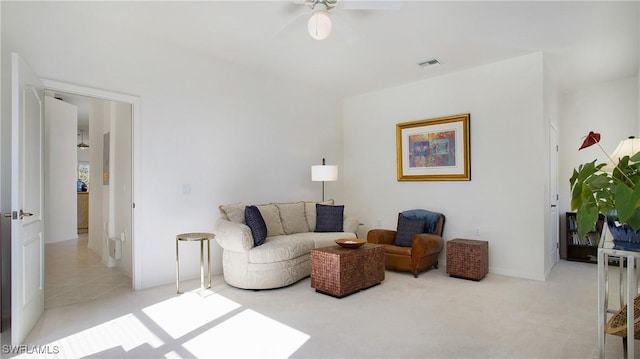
(75,274)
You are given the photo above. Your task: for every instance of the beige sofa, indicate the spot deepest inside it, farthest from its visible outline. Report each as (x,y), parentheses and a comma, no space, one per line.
(284,257)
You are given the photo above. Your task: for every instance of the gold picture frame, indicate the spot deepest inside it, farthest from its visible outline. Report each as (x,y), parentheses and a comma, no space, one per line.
(434,150)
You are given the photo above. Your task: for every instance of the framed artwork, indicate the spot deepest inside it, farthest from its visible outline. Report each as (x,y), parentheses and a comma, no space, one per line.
(434,150)
(84,172)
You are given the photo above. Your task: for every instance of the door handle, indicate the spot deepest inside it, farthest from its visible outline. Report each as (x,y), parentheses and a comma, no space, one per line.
(554,205)
(25,214)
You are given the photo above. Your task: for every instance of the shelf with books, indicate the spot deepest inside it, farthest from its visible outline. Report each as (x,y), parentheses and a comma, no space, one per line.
(582,249)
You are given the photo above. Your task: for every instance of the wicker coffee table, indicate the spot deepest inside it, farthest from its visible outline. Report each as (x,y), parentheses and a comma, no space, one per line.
(339,272)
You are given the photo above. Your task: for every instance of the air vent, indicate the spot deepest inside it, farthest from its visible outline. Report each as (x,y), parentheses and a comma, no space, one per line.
(429,63)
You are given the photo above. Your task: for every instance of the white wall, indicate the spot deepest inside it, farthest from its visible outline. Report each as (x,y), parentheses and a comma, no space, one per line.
(505,198)
(61,168)
(230,133)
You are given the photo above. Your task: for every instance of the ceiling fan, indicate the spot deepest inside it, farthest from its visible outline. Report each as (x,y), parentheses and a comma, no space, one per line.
(319,24)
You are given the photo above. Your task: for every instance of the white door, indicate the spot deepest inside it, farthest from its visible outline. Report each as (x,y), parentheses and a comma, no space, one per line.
(27,184)
(61,170)
(553,192)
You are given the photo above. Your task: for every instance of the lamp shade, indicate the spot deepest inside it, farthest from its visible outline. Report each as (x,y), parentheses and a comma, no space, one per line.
(324,173)
(628,147)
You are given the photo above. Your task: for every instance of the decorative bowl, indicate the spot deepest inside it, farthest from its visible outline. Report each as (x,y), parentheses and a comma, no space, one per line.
(350,242)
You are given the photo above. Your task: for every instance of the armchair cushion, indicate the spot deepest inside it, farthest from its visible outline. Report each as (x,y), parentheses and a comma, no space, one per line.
(329,218)
(254,220)
(407,228)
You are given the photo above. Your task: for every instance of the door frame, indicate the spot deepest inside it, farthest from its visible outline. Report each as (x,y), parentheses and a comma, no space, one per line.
(554,203)
(134,101)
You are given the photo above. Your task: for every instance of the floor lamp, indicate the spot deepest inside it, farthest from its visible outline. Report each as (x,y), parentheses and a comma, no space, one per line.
(324,173)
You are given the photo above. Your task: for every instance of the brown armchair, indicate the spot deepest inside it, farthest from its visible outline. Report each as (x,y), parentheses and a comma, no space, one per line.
(415,245)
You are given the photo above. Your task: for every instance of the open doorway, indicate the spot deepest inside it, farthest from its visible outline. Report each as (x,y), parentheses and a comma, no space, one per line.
(97,258)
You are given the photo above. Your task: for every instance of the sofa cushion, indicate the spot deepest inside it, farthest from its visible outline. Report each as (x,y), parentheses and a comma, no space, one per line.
(324,239)
(329,218)
(254,220)
(234,212)
(281,248)
(310,212)
(407,228)
(293,217)
(272,219)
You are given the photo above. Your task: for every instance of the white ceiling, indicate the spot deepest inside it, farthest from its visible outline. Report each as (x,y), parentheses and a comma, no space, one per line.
(585,42)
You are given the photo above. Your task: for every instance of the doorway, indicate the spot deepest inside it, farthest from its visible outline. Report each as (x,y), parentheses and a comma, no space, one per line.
(113,165)
(92,257)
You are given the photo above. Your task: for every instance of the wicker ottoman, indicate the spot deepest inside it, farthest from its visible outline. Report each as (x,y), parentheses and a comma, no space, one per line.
(338,271)
(467,258)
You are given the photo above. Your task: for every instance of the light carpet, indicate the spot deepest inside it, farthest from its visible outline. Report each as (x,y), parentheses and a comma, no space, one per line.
(433,316)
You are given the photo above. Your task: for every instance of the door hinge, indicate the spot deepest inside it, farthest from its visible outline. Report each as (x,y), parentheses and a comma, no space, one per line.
(134,205)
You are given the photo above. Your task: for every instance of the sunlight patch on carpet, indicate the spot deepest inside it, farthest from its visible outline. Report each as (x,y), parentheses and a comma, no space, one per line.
(122,334)
(263,338)
(187,312)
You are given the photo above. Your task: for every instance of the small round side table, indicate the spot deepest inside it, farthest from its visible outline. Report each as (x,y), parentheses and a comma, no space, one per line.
(200,237)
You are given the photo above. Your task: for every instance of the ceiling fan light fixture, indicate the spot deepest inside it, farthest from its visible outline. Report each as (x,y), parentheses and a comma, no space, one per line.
(82,145)
(319,24)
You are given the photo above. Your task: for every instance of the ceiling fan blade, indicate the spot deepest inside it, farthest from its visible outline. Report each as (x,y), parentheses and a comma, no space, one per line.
(294,6)
(299,18)
(370,4)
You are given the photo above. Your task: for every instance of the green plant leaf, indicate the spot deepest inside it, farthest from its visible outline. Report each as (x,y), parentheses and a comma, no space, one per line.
(626,203)
(573,178)
(599,181)
(587,216)
(634,220)
(576,196)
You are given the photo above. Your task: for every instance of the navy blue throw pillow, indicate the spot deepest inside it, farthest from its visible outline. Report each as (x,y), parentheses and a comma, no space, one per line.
(407,228)
(253,219)
(329,218)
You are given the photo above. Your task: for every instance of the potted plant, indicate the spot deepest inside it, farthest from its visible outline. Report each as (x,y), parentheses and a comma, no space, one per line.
(611,189)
